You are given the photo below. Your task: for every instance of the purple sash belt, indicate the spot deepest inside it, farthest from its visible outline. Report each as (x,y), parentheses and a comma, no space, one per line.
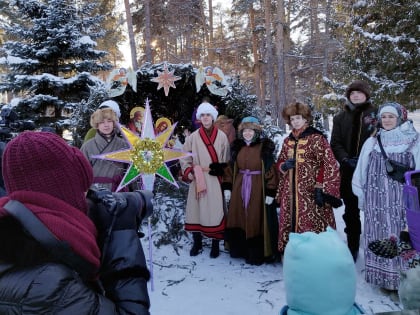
(247,185)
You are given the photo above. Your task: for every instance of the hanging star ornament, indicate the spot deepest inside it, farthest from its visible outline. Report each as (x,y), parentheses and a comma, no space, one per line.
(166,79)
(147,155)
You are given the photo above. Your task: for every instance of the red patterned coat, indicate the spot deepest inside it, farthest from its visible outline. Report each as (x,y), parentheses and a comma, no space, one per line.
(316,167)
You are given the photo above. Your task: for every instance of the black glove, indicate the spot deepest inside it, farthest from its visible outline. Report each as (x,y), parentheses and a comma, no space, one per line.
(334,202)
(350,162)
(404,244)
(217,169)
(288,164)
(117,211)
(319,197)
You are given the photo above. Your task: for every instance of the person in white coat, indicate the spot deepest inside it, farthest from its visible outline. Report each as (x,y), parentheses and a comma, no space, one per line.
(379,195)
(204,214)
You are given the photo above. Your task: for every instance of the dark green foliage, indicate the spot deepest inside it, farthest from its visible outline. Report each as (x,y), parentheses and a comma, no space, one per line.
(169,205)
(383,48)
(239,102)
(180,102)
(81,115)
(49,55)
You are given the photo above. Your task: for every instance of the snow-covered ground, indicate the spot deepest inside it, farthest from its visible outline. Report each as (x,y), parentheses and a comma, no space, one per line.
(203,286)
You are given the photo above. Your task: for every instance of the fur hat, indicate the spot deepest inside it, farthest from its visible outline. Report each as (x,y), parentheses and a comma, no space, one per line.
(297,109)
(113,105)
(207,108)
(358,85)
(100,115)
(44,162)
(249,123)
(224,119)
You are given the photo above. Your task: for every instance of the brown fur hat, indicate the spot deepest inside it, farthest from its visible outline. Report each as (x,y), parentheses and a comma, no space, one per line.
(100,115)
(249,123)
(358,85)
(296,109)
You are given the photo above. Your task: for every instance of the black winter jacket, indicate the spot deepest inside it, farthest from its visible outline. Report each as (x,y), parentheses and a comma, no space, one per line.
(32,283)
(350,130)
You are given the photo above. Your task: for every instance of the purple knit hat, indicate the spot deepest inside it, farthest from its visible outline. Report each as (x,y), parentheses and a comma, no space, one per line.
(44,162)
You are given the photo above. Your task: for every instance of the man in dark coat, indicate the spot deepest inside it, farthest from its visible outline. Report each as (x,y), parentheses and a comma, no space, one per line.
(351,127)
(57,255)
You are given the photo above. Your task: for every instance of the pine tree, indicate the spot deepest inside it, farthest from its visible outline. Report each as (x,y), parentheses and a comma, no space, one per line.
(50,56)
(383,48)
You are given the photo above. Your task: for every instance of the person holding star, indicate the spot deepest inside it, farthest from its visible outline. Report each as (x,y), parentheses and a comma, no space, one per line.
(204,170)
(107,174)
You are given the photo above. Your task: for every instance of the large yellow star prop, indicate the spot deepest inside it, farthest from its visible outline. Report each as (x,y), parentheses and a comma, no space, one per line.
(146,154)
(166,79)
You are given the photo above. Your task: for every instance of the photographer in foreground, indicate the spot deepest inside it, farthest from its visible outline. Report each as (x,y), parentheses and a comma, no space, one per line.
(55,259)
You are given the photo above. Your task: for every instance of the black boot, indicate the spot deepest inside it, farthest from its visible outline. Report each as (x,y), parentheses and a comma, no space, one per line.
(353,242)
(198,244)
(237,244)
(255,251)
(214,253)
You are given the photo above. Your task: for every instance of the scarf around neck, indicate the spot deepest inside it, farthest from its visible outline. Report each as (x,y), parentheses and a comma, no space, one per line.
(63,220)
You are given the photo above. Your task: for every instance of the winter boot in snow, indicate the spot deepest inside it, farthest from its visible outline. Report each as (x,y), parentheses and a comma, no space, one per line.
(198,244)
(255,251)
(237,242)
(214,253)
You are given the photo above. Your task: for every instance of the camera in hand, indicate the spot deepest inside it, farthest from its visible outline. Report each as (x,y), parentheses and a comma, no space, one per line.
(116,202)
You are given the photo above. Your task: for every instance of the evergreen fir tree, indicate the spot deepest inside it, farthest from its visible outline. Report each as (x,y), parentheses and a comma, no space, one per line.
(50,55)
(383,48)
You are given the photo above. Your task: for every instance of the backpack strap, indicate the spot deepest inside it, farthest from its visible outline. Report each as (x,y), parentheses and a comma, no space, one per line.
(59,250)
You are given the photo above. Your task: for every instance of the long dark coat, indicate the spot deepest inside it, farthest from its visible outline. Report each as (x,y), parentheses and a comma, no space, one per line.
(254,222)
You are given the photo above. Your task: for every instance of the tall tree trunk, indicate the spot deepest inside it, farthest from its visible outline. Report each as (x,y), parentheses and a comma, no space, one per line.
(326,54)
(269,52)
(281,76)
(188,42)
(257,64)
(211,39)
(147,32)
(205,35)
(131,38)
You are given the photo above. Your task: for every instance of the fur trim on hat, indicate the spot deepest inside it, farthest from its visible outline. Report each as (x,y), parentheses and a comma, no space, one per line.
(358,85)
(113,105)
(100,115)
(207,108)
(297,109)
(249,125)
(224,118)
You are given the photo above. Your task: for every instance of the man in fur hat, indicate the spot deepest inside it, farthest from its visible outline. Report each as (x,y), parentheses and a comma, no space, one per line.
(351,127)
(204,214)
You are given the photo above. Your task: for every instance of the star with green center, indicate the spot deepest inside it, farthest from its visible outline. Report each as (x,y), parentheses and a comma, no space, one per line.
(147,155)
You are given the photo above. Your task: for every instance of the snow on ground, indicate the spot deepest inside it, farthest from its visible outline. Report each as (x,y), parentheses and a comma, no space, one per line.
(200,285)
(203,286)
